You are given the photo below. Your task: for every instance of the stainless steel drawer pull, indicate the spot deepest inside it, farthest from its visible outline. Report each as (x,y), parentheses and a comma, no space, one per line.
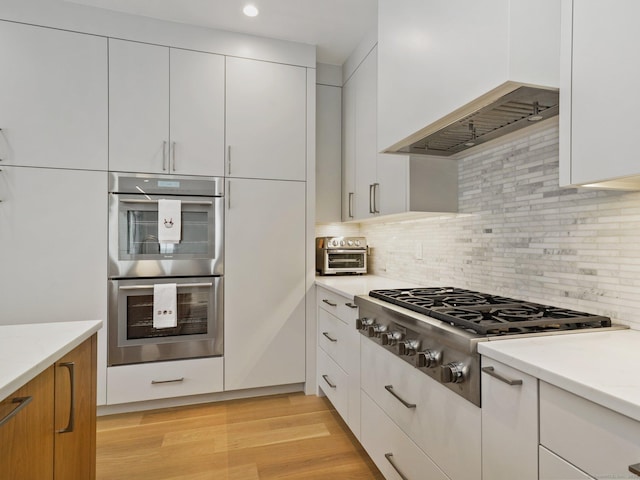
(635,469)
(176,380)
(389,388)
(173,155)
(22,402)
(351,305)
(71,367)
(329,303)
(326,379)
(508,381)
(164,156)
(179,285)
(389,457)
(331,339)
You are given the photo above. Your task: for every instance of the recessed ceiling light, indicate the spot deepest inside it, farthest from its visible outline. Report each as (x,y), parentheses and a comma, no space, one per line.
(250,10)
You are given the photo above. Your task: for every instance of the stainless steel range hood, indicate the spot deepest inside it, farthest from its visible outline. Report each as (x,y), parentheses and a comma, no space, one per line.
(507,108)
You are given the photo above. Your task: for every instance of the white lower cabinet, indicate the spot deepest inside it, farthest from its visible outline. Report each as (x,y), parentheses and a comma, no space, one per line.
(598,441)
(552,467)
(509,423)
(339,344)
(151,381)
(443,424)
(394,453)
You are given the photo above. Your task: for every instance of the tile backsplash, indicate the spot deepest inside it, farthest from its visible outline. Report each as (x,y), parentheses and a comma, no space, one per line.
(519,234)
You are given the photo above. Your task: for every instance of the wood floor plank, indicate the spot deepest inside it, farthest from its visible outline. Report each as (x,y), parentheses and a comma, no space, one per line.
(291,436)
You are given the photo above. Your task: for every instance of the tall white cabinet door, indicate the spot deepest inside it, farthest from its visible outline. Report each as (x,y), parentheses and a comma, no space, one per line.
(348,150)
(197,113)
(264,338)
(138,107)
(54,241)
(53,98)
(328,153)
(266,120)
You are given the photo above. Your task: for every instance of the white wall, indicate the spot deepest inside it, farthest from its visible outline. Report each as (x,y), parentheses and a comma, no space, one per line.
(521,235)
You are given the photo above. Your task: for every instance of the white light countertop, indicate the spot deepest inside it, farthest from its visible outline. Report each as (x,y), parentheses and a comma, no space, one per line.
(352,285)
(29,349)
(599,366)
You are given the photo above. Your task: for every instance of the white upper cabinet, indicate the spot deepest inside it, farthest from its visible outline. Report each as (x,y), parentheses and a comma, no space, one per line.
(266,120)
(599,106)
(436,57)
(166,110)
(328,153)
(53,98)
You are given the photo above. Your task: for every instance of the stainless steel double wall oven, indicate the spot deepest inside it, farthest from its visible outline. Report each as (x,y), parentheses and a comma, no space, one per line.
(138,261)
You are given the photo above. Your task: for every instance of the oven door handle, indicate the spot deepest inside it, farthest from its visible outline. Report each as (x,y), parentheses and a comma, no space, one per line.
(146,287)
(187,202)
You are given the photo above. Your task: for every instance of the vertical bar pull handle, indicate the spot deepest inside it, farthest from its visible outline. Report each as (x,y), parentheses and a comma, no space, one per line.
(371,199)
(350,204)
(389,457)
(164,156)
(228,159)
(229,194)
(173,155)
(22,402)
(376,195)
(72,407)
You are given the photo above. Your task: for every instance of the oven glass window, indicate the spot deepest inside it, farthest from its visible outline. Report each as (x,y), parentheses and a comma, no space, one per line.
(193,312)
(142,234)
(346,260)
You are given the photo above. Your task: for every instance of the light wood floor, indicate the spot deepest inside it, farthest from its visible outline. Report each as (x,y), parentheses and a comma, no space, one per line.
(279,437)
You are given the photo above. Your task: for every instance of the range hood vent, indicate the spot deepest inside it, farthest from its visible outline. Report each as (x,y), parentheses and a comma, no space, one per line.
(503,110)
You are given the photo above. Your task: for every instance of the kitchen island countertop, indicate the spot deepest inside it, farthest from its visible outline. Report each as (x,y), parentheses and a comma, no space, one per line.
(599,366)
(352,285)
(26,350)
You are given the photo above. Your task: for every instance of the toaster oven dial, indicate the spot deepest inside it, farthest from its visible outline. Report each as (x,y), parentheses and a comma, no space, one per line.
(391,338)
(428,359)
(452,373)
(408,347)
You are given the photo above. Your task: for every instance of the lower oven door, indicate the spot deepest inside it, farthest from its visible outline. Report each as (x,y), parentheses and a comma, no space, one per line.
(199,330)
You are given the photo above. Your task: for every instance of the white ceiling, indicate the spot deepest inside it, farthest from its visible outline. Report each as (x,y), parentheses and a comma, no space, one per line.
(335,26)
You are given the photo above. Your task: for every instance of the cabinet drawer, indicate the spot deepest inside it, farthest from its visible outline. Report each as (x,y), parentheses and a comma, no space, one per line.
(597,440)
(332,337)
(553,467)
(150,381)
(334,383)
(391,449)
(340,306)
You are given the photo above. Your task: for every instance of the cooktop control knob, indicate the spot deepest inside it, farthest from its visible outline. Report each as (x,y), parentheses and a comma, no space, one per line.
(391,338)
(452,373)
(409,347)
(363,323)
(376,330)
(428,359)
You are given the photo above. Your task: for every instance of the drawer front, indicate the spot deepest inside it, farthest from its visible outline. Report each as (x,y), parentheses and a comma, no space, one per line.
(334,383)
(597,440)
(340,306)
(445,425)
(151,381)
(553,467)
(332,337)
(509,423)
(391,449)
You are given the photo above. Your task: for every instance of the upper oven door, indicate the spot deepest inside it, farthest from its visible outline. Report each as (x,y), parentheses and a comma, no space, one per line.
(134,250)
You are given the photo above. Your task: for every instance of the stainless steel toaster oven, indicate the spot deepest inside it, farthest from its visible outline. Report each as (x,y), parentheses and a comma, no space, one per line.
(341,255)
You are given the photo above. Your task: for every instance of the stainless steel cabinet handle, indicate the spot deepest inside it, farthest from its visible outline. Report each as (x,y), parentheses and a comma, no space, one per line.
(185,202)
(173,155)
(376,190)
(179,285)
(164,155)
(331,339)
(329,303)
(176,380)
(491,371)
(228,159)
(326,379)
(371,199)
(71,366)
(389,457)
(389,388)
(229,194)
(351,204)
(22,402)
(351,305)
(635,469)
